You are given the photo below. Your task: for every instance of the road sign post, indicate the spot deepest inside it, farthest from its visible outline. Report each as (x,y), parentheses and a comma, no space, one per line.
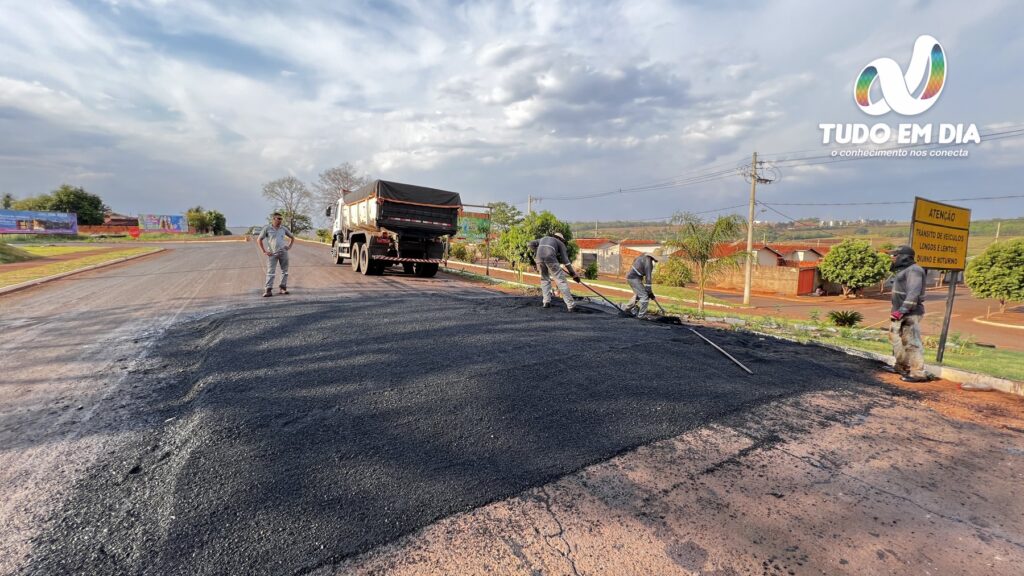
(938,234)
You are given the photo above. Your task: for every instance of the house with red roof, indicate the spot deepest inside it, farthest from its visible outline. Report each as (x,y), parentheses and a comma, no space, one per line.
(600,250)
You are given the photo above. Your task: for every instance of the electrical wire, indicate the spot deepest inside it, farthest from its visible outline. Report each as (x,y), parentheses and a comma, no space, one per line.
(894,202)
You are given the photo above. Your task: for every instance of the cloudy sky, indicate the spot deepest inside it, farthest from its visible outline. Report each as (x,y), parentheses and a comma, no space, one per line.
(158,105)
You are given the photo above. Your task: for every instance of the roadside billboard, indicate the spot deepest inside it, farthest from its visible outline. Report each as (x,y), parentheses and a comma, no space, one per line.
(174,223)
(474,226)
(33,222)
(939,234)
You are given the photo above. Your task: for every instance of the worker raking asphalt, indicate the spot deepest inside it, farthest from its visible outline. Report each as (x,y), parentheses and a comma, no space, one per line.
(287,437)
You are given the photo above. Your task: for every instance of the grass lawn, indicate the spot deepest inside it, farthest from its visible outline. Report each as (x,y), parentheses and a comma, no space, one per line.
(13,277)
(961,352)
(668,291)
(10,254)
(50,250)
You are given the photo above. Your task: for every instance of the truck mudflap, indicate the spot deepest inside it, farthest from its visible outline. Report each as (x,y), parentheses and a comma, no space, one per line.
(400,259)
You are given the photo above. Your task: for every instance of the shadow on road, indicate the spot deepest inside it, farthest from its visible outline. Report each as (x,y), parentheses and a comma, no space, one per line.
(282,438)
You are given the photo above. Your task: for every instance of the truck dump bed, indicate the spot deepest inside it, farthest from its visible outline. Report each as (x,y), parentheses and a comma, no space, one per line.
(396,206)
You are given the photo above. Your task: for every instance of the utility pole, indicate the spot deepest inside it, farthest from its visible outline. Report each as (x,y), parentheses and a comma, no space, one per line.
(755,179)
(529,205)
(748,272)
(998,226)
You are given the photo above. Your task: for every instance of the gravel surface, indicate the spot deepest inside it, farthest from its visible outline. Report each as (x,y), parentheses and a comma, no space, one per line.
(285,438)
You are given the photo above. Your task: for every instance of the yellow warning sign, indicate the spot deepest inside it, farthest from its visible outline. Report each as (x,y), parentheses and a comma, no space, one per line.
(941,214)
(939,235)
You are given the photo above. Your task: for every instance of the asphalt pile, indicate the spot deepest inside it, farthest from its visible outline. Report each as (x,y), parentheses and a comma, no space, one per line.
(280,439)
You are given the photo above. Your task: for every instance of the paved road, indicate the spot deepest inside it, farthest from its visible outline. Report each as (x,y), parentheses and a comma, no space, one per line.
(282,435)
(69,346)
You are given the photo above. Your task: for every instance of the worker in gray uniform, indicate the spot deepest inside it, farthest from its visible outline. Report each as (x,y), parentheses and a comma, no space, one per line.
(906,313)
(641,280)
(550,253)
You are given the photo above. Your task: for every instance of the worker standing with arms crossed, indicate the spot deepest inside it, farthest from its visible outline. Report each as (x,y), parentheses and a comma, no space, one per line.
(906,313)
(549,253)
(641,280)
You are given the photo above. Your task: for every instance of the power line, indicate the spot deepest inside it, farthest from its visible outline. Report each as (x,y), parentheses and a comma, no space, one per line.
(973,199)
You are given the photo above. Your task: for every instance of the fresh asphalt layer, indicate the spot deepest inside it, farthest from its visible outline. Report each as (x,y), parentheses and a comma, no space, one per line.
(282,438)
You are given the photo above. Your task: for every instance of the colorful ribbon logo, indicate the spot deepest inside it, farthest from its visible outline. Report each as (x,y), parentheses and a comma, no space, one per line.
(928,61)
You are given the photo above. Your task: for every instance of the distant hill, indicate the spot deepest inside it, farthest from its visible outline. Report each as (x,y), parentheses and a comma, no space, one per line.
(982,232)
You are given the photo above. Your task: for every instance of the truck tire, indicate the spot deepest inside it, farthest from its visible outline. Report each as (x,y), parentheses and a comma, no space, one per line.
(366,265)
(426,269)
(354,251)
(336,254)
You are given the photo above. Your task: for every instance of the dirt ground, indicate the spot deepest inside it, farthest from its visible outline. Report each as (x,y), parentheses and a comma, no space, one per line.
(886,485)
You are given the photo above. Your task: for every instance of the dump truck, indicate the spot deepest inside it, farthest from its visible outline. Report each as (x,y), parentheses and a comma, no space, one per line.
(386,224)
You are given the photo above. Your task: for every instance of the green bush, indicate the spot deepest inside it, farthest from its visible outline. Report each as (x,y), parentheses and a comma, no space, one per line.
(459,252)
(845,318)
(590,272)
(998,273)
(854,264)
(672,272)
(323,234)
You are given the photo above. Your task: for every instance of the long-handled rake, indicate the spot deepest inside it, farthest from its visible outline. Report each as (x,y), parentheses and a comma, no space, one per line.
(717,347)
(622,312)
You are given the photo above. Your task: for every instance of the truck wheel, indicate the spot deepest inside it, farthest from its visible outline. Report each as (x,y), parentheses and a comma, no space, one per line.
(365,264)
(336,255)
(407,267)
(355,249)
(426,269)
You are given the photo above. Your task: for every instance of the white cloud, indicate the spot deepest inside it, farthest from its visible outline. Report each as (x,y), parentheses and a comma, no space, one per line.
(486,95)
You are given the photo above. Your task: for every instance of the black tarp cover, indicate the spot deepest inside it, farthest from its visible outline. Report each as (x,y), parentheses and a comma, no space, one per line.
(408,193)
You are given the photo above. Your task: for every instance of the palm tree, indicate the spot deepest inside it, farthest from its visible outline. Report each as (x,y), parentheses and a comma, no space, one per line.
(698,240)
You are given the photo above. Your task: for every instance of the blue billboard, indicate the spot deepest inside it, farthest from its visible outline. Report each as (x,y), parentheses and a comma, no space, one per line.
(33,222)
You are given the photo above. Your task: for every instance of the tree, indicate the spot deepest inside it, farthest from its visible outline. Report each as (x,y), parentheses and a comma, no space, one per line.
(698,241)
(513,245)
(854,264)
(504,215)
(998,273)
(198,219)
(8,200)
(673,271)
(34,203)
(218,222)
(297,223)
(88,207)
(292,199)
(332,181)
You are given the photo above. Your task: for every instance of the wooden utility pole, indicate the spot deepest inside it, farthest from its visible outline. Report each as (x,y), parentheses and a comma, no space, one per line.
(748,272)
(529,205)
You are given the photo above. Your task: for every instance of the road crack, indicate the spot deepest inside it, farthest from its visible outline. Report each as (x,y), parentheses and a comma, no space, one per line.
(567,553)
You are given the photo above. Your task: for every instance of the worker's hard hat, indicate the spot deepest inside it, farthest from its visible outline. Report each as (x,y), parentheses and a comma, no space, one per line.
(559,236)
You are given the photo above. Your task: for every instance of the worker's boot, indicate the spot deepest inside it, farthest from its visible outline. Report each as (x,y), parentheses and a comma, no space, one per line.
(267,293)
(282,290)
(545,305)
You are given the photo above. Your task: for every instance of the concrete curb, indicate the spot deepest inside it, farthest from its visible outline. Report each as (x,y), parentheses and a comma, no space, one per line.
(45,279)
(595,285)
(998,324)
